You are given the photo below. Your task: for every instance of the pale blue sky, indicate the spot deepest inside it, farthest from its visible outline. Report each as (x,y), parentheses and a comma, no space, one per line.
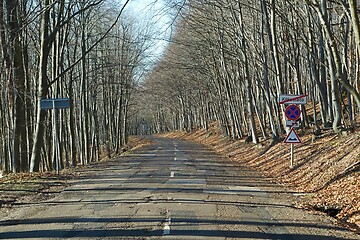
(153,12)
(154,19)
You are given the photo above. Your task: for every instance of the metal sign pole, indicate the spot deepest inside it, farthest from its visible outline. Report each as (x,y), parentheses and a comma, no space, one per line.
(292,155)
(54,104)
(292,113)
(56,141)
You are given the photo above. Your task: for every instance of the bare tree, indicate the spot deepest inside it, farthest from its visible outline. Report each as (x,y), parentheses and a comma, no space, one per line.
(298,53)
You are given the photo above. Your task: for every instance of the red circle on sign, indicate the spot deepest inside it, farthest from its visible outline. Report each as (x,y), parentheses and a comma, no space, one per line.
(292,112)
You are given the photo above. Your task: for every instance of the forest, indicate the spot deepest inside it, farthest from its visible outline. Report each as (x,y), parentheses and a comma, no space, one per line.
(229,61)
(87,51)
(226,62)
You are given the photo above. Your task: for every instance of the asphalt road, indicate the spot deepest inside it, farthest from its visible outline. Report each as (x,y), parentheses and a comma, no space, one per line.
(170,190)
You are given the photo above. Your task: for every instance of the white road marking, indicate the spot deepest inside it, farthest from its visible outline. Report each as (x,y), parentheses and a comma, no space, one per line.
(167,227)
(167,224)
(299,194)
(172,174)
(235,190)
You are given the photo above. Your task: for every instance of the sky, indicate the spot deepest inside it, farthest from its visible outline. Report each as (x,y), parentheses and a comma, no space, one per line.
(157,14)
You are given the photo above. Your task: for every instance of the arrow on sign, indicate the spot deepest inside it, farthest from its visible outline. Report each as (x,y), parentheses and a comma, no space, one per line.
(292,137)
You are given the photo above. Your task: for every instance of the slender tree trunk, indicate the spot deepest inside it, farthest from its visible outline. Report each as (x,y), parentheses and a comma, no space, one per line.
(42,89)
(84,125)
(355,22)
(274,132)
(335,71)
(19,157)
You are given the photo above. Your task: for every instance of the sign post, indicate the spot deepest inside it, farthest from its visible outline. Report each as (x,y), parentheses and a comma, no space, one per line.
(54,104)
(293,114)
(292,138)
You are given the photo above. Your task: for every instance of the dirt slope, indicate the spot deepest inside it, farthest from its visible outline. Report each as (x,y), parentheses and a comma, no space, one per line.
(326,168)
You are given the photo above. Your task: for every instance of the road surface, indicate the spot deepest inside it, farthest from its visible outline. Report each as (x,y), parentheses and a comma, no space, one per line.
(170,190)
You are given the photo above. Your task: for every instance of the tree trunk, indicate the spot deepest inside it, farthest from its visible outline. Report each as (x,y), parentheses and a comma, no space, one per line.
(19,157)
(355,22)
(84,125)
(274,132)
(42,88)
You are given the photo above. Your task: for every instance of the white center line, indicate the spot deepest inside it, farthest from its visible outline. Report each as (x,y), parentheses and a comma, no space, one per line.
(167,226)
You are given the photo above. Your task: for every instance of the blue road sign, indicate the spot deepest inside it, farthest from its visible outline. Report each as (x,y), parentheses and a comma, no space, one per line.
(292,112)
(58,103)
